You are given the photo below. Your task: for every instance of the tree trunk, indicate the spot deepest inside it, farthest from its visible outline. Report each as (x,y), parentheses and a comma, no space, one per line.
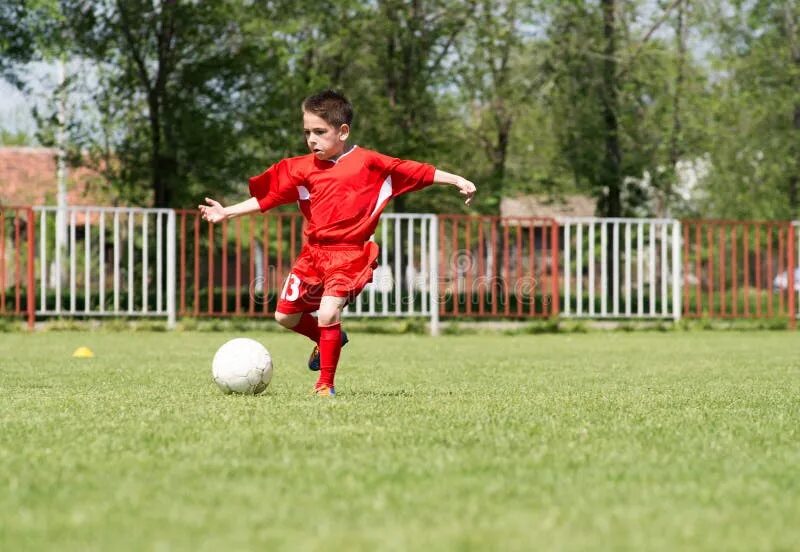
(612,174)
(164,166)
(498,151)
(676,149)
(675,143)
(157,180)
(794,48)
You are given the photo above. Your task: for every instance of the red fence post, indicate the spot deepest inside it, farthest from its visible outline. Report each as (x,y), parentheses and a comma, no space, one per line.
(210,291)
(196,273)
(251,300)
(442,266)
(224,264)
(17,263)
(470,263)
(31,278)
(687,274)
(698,266)
(182,265)
(746,256)
(758,269)
(554,272)
(238,286)
(267,267)
(481,267)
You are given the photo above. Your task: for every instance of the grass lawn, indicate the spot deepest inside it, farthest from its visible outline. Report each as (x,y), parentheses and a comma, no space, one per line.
(656,441)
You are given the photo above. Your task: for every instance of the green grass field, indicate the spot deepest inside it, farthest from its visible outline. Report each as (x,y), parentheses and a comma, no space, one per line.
(656,441)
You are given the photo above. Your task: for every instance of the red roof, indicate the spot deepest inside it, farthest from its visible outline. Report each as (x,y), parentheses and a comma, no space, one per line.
(28,177)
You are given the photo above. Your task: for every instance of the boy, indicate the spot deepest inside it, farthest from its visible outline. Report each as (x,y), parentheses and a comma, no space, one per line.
(341,190)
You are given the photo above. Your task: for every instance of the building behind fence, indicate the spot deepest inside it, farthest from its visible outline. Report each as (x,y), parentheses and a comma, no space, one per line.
(132,262)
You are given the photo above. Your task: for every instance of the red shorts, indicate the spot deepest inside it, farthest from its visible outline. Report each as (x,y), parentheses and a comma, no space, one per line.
(336,270)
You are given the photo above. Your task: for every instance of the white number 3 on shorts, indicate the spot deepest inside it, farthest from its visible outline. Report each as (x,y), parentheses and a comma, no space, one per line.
(291,289)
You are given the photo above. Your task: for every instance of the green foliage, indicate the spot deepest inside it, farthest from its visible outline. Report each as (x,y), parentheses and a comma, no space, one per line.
(19,138)
(178,103)
(757,166)
(29,30)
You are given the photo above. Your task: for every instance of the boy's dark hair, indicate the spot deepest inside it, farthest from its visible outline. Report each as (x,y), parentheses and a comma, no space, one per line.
(330,106)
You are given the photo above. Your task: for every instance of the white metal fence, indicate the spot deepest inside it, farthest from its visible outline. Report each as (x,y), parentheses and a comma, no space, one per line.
(106,261)
(405,282)
(621,268)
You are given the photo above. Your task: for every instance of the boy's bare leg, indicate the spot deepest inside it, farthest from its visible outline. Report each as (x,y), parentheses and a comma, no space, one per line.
(330,310)
(300,322)
(288,321)
(330,341)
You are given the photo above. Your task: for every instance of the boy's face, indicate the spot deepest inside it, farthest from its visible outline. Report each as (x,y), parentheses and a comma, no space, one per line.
(323,140)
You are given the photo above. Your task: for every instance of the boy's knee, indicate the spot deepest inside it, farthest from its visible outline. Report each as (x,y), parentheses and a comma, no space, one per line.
(287,320)
(327,316)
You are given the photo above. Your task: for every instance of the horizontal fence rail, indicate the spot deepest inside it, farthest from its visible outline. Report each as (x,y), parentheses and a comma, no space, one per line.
(498,267)
(621,268)
(739,269)
(17,262)
(106,261)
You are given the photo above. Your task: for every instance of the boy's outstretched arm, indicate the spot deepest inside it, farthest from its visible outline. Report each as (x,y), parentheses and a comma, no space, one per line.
(464,186)
(215,212)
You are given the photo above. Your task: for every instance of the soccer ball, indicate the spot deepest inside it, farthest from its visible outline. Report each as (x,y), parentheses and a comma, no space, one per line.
(242,366)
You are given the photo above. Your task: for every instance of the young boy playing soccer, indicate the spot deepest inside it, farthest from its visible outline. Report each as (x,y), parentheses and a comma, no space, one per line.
(341,190)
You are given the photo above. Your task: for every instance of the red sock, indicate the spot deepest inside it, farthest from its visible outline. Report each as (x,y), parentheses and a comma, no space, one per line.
(308,327)
(330,345)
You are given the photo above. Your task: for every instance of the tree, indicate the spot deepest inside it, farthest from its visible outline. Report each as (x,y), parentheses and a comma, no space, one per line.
(571,61)
(22,24)
(620,102)
(756,157)
(499,80)
(611,203)
(394,60)
(178,94)
(414,43)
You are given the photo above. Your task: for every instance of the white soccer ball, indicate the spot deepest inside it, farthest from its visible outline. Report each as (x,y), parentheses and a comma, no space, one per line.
(242,365)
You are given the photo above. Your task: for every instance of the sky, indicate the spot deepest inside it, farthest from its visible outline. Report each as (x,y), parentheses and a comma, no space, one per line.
(15,110)
(16,106)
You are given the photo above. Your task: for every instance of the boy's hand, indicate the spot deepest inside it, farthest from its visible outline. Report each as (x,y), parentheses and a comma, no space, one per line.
(213,212)
(467,188)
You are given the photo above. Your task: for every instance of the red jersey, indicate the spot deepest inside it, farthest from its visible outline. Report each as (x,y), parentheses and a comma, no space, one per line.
(342,200)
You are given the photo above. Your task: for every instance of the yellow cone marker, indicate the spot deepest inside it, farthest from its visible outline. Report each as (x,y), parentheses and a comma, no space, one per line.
(83,352)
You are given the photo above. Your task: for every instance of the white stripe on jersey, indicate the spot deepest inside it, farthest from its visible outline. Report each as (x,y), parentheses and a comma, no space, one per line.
(383,195)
